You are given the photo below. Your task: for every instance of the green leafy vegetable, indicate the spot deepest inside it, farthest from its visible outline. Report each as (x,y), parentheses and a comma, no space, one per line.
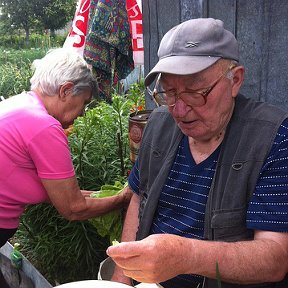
(109,224)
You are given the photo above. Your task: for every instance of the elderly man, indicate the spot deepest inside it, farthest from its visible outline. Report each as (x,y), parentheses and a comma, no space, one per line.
(210,182)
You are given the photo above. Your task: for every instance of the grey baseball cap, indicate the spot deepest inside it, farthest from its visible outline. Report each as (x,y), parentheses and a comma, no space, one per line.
(193,46)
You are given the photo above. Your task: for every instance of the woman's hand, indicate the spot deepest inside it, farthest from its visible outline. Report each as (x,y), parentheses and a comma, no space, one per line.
(126,195)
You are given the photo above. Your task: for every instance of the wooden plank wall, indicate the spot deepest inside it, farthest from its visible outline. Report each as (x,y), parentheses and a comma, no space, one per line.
(259,25)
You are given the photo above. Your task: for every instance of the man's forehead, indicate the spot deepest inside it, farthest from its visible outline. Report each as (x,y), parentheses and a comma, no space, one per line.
(189,79)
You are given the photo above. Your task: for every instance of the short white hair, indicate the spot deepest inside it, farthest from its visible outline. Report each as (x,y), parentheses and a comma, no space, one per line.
(59,66)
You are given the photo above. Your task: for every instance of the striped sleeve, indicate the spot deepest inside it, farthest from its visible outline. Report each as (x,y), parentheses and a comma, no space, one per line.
(268,209)
(133,179)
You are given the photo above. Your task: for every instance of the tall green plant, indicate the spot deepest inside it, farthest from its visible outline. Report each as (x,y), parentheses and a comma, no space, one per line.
(136,94)
(99,144)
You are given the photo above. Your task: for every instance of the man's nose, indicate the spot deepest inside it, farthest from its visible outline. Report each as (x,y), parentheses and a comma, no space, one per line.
(180,109)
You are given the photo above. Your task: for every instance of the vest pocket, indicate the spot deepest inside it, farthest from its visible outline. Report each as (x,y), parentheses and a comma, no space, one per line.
(230,225)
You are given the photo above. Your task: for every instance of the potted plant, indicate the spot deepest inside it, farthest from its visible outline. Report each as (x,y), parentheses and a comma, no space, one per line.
(137,118)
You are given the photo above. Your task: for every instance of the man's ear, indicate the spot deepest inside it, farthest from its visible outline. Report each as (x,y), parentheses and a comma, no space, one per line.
(65,90)
(237,80)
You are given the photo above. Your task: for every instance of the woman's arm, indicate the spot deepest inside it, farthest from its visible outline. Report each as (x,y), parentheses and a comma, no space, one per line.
(74,204)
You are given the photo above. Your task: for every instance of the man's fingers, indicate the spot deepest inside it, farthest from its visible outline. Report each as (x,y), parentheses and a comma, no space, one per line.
(124,250)
(130,263)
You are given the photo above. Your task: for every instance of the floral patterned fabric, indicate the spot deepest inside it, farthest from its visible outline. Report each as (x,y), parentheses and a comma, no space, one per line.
(108,46)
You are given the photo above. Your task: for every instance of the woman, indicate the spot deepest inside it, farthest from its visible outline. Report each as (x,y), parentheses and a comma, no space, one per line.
(35,161)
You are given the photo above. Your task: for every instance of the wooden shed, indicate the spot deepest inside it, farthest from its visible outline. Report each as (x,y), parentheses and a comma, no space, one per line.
(260,27)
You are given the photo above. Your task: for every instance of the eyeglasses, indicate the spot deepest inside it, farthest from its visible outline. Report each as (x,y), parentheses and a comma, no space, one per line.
(195,98)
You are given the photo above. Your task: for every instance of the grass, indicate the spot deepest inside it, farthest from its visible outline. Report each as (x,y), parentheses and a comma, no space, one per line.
(25,56)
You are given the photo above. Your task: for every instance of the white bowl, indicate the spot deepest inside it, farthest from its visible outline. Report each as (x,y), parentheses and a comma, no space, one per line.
(93,284)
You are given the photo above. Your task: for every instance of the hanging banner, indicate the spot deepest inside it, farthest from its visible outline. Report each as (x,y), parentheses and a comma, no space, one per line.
(139,2)
(77,35)
(135,21)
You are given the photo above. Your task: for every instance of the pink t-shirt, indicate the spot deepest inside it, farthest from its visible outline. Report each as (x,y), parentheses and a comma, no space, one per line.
(32,146)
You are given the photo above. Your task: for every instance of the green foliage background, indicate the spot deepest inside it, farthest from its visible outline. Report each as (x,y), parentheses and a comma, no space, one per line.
(15,69)
(16,42)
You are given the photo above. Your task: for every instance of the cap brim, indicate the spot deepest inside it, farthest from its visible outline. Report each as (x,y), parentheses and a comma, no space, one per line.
(180,65)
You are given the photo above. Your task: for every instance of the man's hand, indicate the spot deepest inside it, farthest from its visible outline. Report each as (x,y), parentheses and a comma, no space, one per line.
(160,257)
(152,260)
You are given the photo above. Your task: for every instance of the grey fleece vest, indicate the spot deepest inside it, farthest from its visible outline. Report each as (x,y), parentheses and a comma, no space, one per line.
(248,140)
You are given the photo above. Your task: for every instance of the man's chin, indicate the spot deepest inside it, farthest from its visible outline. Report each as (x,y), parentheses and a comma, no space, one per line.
(186,127)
